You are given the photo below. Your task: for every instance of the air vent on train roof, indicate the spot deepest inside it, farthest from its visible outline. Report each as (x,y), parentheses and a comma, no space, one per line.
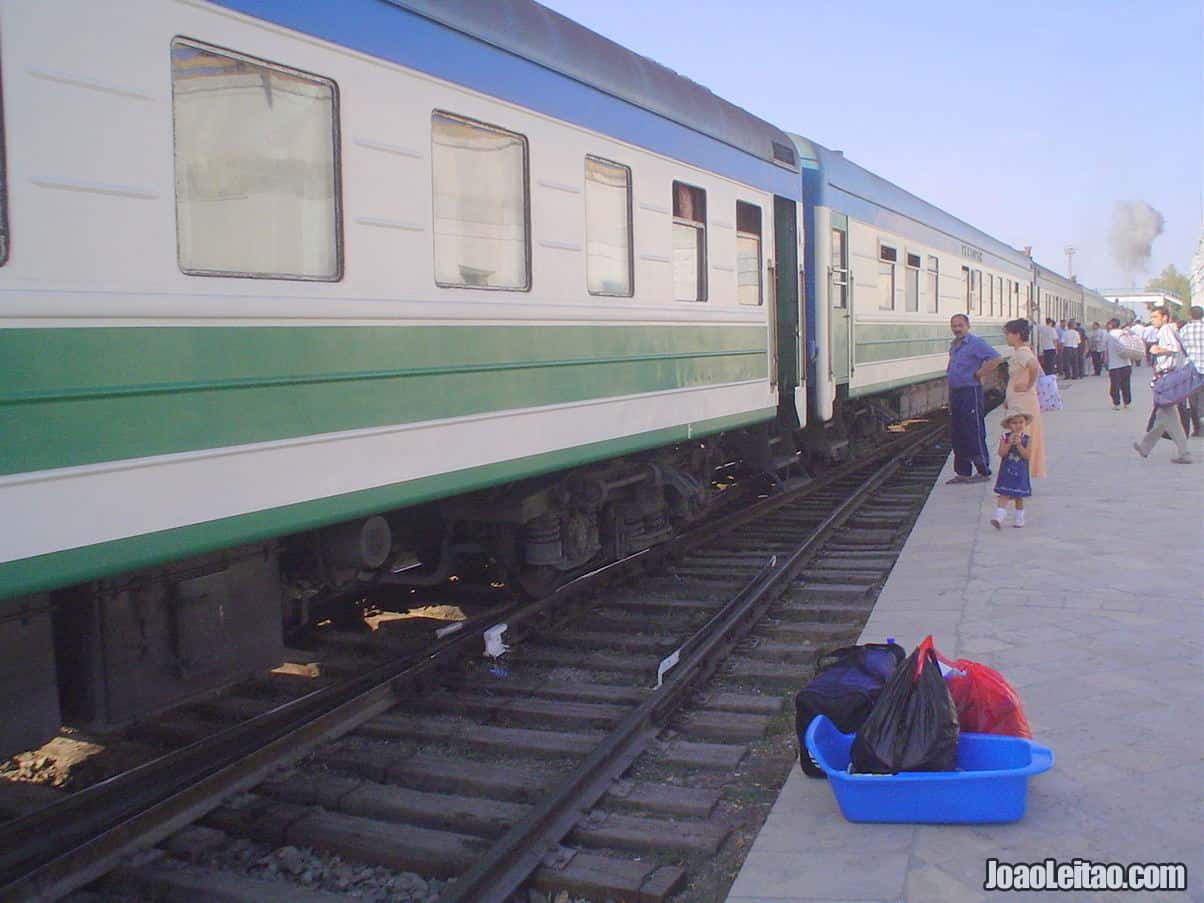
(782,153)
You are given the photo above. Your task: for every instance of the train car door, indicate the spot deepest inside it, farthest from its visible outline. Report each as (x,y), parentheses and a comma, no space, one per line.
(840,320)
(788,317)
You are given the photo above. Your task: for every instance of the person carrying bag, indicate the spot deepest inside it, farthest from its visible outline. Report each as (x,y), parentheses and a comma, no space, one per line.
(1175,378)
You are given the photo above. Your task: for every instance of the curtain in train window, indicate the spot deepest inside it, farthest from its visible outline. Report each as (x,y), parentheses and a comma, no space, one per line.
(934,284)
(748,254)
(608,228)
(911,291)
(886,277)
(480,184)
(689,243)
(255,158)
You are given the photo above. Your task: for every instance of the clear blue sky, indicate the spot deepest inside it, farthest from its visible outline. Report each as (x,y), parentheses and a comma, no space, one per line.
(1028,119)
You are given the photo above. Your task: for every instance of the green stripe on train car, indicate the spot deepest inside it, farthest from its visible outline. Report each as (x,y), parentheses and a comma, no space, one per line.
(31,575)
(875,342)
(82,396)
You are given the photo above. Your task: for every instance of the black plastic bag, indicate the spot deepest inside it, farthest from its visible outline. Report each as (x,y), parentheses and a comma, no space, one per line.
(913,726)
(845,688)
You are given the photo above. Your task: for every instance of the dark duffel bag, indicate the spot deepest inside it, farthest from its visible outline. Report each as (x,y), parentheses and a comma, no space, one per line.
(845,688)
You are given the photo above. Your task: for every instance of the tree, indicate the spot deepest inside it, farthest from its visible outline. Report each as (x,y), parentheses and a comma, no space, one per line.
(1172,282)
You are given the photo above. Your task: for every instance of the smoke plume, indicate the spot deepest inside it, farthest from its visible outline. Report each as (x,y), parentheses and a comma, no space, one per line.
(1135,225)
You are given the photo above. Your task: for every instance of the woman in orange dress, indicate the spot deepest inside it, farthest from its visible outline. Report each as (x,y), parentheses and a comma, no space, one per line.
(1021,397)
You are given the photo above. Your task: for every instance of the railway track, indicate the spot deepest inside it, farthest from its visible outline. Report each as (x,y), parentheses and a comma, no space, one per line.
(593,758)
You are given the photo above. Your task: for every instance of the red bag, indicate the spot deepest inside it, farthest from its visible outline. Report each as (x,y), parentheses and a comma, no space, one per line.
(986,703)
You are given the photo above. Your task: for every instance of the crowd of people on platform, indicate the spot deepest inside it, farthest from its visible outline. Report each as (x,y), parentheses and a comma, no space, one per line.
(1174,349)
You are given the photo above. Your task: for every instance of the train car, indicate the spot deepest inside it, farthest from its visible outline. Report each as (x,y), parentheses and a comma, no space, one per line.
(886,270)
(1098,309)
(298,298)
(1058,297)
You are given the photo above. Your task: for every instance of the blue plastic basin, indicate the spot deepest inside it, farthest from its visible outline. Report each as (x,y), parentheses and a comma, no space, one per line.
(990,784)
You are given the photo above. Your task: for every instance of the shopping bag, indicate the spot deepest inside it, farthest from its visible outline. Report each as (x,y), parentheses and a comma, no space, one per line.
(1047,393)
(986,703)
(1132,348)
(913,725)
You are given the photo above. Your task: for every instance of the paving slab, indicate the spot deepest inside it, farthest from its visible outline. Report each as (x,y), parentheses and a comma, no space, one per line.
(1094,611)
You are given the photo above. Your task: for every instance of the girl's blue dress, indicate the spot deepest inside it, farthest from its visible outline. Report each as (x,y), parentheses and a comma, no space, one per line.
(1013,473)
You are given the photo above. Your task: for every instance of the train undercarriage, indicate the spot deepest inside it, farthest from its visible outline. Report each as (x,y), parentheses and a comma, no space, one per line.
(108,652)
(105,653)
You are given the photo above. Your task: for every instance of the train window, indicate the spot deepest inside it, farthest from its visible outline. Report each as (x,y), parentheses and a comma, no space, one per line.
(934,284)
(748,254)
(256,167)
(608,228)
(886,277)
(840,270)
(911,290)
(479,176)
(689,243)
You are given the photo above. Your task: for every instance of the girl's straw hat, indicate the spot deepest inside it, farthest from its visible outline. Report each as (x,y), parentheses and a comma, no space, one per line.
(1019,415)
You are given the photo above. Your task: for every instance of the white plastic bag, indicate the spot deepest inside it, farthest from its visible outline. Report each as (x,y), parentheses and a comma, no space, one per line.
(1047,393)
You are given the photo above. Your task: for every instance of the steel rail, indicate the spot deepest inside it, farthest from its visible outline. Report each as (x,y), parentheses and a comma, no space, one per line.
(511,860)
(56,850)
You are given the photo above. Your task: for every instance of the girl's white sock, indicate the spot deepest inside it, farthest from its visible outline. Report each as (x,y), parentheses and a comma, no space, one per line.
(997,519)
(1019,518)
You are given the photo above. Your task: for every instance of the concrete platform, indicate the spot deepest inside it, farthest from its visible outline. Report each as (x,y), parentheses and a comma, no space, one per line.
(1094,612)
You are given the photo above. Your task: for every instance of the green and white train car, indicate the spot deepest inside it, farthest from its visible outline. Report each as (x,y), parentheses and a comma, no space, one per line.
(1058,297)
(887,272)
(300,297)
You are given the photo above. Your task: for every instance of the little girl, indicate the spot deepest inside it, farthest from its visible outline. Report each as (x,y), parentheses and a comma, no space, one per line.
(1013,482)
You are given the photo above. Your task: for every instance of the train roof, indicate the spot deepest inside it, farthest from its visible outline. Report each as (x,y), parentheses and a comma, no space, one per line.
(542,36)
(841,175)
(1044,272)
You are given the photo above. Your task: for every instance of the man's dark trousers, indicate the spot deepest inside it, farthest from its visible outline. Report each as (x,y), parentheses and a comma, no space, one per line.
(969,431)
(1049,360)
(1119,385)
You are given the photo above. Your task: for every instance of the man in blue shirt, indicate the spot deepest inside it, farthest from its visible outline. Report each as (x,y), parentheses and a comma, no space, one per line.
(970,359)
